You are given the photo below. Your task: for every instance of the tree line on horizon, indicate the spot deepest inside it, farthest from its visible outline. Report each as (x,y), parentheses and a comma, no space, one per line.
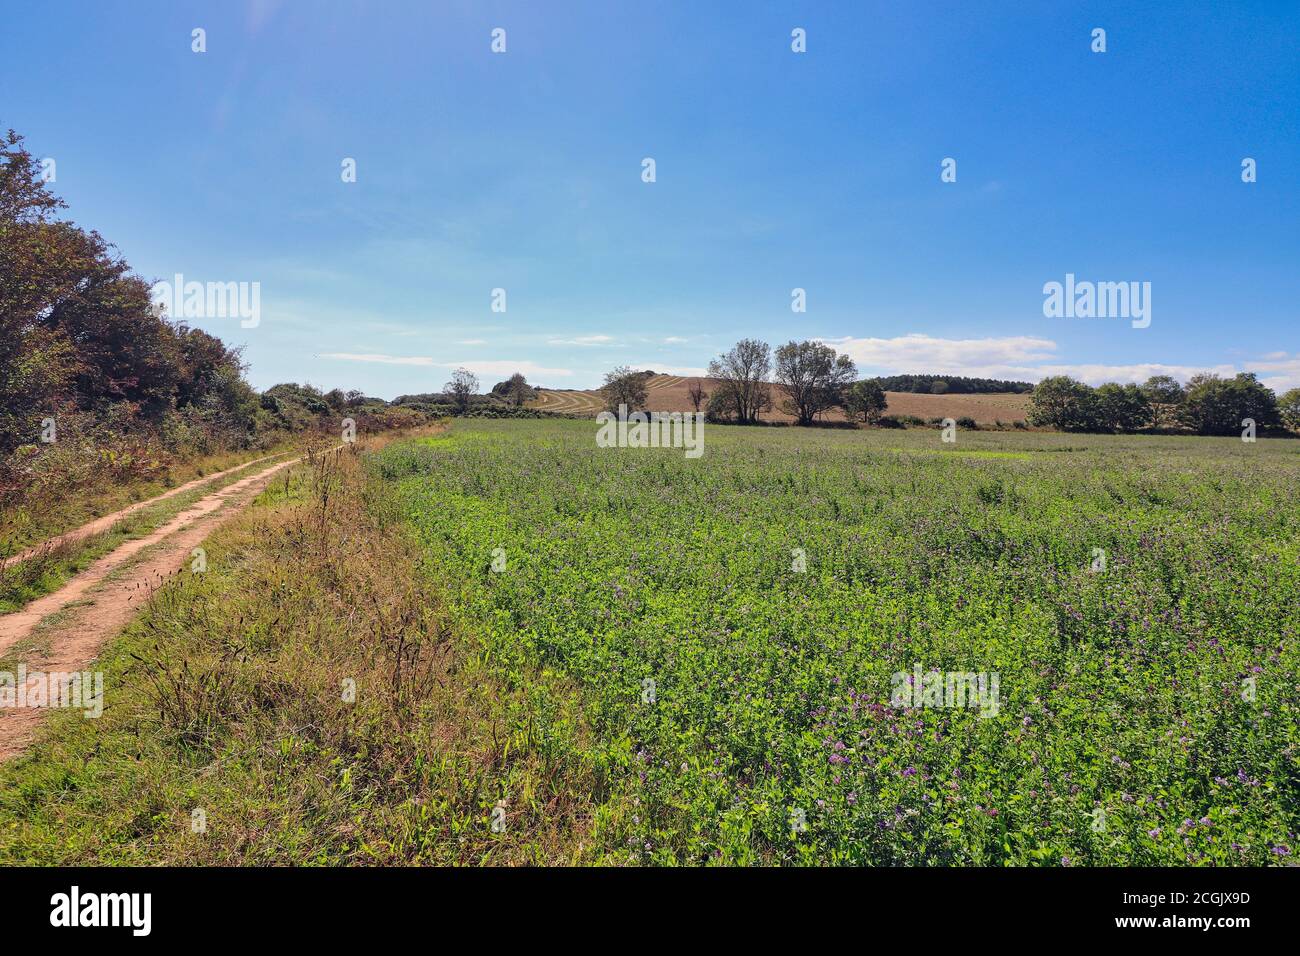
(807,379)
(951,385)
(85,346)
(1207,405)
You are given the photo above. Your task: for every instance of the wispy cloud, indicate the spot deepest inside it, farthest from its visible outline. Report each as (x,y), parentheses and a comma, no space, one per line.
(492,367)
(584,340)
(1020,358)
(506,367)
(687,371)
(926,353)
(382,359)
(1030,358)
(1279,371)
(1096,373)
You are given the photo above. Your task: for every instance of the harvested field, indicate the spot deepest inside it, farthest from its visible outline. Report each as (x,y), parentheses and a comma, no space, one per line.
(668,393)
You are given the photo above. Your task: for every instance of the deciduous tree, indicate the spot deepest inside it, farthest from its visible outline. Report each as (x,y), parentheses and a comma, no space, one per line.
(1062,402)
(1289,408)
(865,401)
(697,394)
(814,378)
(1218,406)
(742,375)
(463,384)
(1164,394)
(624,386)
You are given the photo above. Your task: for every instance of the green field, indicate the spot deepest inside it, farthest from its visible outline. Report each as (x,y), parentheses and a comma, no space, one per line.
(739,709)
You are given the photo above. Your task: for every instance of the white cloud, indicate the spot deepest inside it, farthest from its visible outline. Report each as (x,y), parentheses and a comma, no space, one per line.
(472,342)
(674,340)
(507,367)
(1284,369)
(926,353)
(1096,374)
(1019,358)
(586,340)
(498,367)
(662,369)
(384,359)
(1029,358)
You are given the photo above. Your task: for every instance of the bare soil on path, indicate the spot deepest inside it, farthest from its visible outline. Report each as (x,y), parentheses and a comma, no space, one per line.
(97,608)
(108,521)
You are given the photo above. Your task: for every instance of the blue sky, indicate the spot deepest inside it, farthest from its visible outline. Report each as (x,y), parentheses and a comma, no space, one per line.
(774,171)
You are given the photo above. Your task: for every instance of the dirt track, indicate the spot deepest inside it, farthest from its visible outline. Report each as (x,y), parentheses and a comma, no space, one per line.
(97,609)
(107,521)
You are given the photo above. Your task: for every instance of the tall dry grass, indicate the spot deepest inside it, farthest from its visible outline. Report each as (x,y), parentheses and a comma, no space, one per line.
(307,697)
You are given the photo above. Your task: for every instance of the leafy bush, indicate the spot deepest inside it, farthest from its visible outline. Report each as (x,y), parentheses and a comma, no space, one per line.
(1217,406)
(1210,405)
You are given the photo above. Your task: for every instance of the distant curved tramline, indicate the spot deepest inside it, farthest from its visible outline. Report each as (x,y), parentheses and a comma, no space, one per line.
(574,402)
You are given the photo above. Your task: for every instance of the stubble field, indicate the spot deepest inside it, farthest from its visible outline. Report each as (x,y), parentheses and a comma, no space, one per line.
(668,393)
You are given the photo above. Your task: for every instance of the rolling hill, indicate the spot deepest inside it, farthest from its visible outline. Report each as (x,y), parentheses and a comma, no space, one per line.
(668,393)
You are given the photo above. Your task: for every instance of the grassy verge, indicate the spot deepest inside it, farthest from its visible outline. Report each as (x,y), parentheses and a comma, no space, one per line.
(307,702)
(40,518)
(50,569)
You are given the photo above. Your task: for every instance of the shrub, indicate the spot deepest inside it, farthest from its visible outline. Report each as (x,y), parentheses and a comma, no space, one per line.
(1218,406)
(1289,408)
(865,401)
